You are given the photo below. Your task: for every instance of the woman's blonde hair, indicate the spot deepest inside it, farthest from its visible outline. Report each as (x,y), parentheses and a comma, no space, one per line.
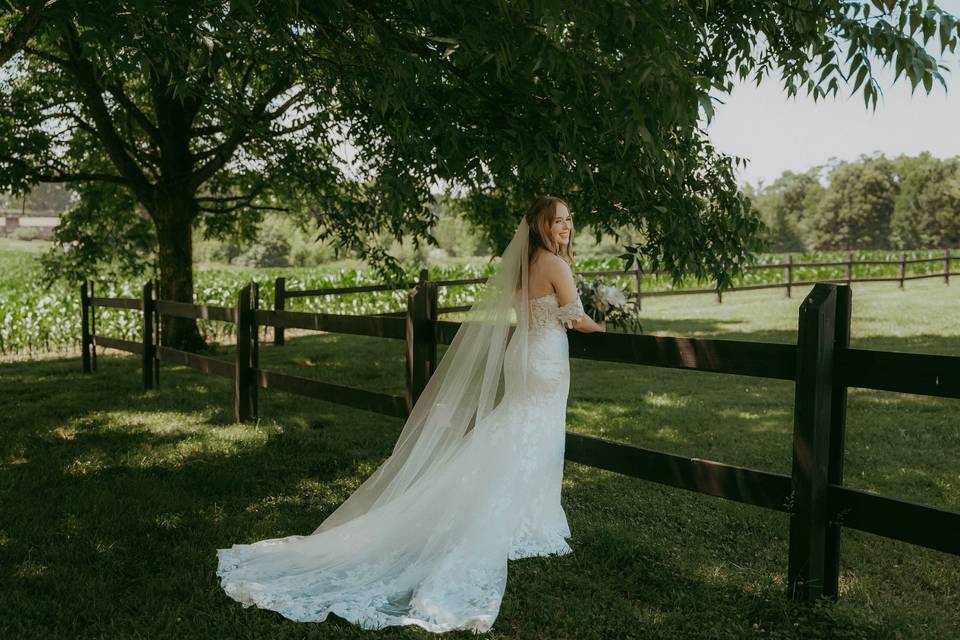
(539,216)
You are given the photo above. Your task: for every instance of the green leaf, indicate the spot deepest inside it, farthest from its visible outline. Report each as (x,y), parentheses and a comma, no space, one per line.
(929,27)
(915,20)
(707,105)
(944,32)
(860,76)
(899,66)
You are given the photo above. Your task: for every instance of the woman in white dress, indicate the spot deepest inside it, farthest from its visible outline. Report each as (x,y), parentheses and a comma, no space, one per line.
(473,480)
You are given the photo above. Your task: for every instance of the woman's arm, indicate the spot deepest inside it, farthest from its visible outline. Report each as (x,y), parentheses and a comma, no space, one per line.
(566,288)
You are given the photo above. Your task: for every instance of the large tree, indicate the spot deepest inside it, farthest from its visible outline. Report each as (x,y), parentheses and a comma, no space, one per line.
(855,210)
(203,114)
(926,213)
(189,111)
(784,206)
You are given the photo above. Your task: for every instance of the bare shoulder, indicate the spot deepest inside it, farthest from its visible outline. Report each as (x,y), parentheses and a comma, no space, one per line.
(555,265)
(552,269)
(558,272)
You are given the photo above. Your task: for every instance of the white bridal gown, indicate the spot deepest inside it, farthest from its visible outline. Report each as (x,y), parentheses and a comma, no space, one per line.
(409,562)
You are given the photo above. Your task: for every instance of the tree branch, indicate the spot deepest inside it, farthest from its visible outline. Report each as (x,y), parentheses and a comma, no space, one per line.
(121,96)
(86,76)
(279,111)
(80,177)
(241,206)
(223,152)
(16,39)
(247,197)
(43,55)
(293,129)
(207,131)
(83,124)
(37,175)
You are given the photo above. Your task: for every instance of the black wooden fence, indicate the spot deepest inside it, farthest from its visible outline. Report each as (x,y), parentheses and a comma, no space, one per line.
(822,365)
(789,282)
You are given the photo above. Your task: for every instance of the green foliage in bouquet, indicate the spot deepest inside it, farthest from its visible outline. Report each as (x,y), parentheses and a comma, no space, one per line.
(602,301)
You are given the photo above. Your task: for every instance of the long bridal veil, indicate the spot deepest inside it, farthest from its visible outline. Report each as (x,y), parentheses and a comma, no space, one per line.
(423,540)
(466,386)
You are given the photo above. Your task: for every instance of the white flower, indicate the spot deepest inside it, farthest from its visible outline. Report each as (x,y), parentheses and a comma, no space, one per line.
(613,296)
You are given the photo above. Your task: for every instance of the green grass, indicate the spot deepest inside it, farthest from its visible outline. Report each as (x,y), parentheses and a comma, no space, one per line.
(113,500)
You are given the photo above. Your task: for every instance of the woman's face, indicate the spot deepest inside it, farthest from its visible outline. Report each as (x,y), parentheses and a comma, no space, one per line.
(561,226)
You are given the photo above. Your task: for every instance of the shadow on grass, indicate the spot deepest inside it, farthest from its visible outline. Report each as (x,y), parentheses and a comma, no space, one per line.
(108,508)
(115,499)
(701,567)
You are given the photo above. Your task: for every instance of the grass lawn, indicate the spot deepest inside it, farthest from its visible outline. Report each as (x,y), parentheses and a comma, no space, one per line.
(113,500)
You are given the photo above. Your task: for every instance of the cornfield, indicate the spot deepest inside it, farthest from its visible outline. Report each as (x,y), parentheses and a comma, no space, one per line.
(38,319)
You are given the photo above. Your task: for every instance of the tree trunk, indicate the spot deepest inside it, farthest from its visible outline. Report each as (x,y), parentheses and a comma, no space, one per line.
(175,236)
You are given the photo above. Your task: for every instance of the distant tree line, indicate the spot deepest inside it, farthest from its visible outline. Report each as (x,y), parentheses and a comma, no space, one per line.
(874,202)
(871,203)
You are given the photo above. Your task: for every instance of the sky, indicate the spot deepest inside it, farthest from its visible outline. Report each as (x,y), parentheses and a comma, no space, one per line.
(777,133)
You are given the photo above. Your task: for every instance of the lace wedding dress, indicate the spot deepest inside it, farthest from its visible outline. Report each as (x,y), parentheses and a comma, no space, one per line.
(434,553)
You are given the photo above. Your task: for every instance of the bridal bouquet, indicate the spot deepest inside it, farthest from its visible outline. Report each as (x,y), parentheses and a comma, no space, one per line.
(602,301)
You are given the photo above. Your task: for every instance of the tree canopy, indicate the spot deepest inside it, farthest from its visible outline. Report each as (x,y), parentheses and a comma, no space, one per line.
(177,115)
(855,211)
(873,202)
(926,211)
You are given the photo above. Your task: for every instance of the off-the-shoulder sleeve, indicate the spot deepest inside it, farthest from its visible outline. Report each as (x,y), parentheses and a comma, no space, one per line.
(570,312)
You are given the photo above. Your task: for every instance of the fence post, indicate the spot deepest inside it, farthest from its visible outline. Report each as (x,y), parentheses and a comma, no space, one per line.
(148,351)
(946,266)
(811,443)
(788,274)
(279,290)
(838,427)
(421,342)
(849,267)
(242,399)
(903,267)
(254,351)
(85,327)
(93,326)
(719,295)
(637,282)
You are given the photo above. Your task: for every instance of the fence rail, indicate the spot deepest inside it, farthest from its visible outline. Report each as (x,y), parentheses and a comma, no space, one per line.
(119,344)
(340,394)
(741,484)
(196,361)
(196,311)
(281,293)
(118,303)
(377,326)
(822,366)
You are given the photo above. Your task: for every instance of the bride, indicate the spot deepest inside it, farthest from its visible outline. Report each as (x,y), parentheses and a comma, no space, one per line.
(473,480)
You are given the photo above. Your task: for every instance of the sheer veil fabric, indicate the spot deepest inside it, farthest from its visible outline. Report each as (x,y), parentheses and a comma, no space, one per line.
(426,538)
